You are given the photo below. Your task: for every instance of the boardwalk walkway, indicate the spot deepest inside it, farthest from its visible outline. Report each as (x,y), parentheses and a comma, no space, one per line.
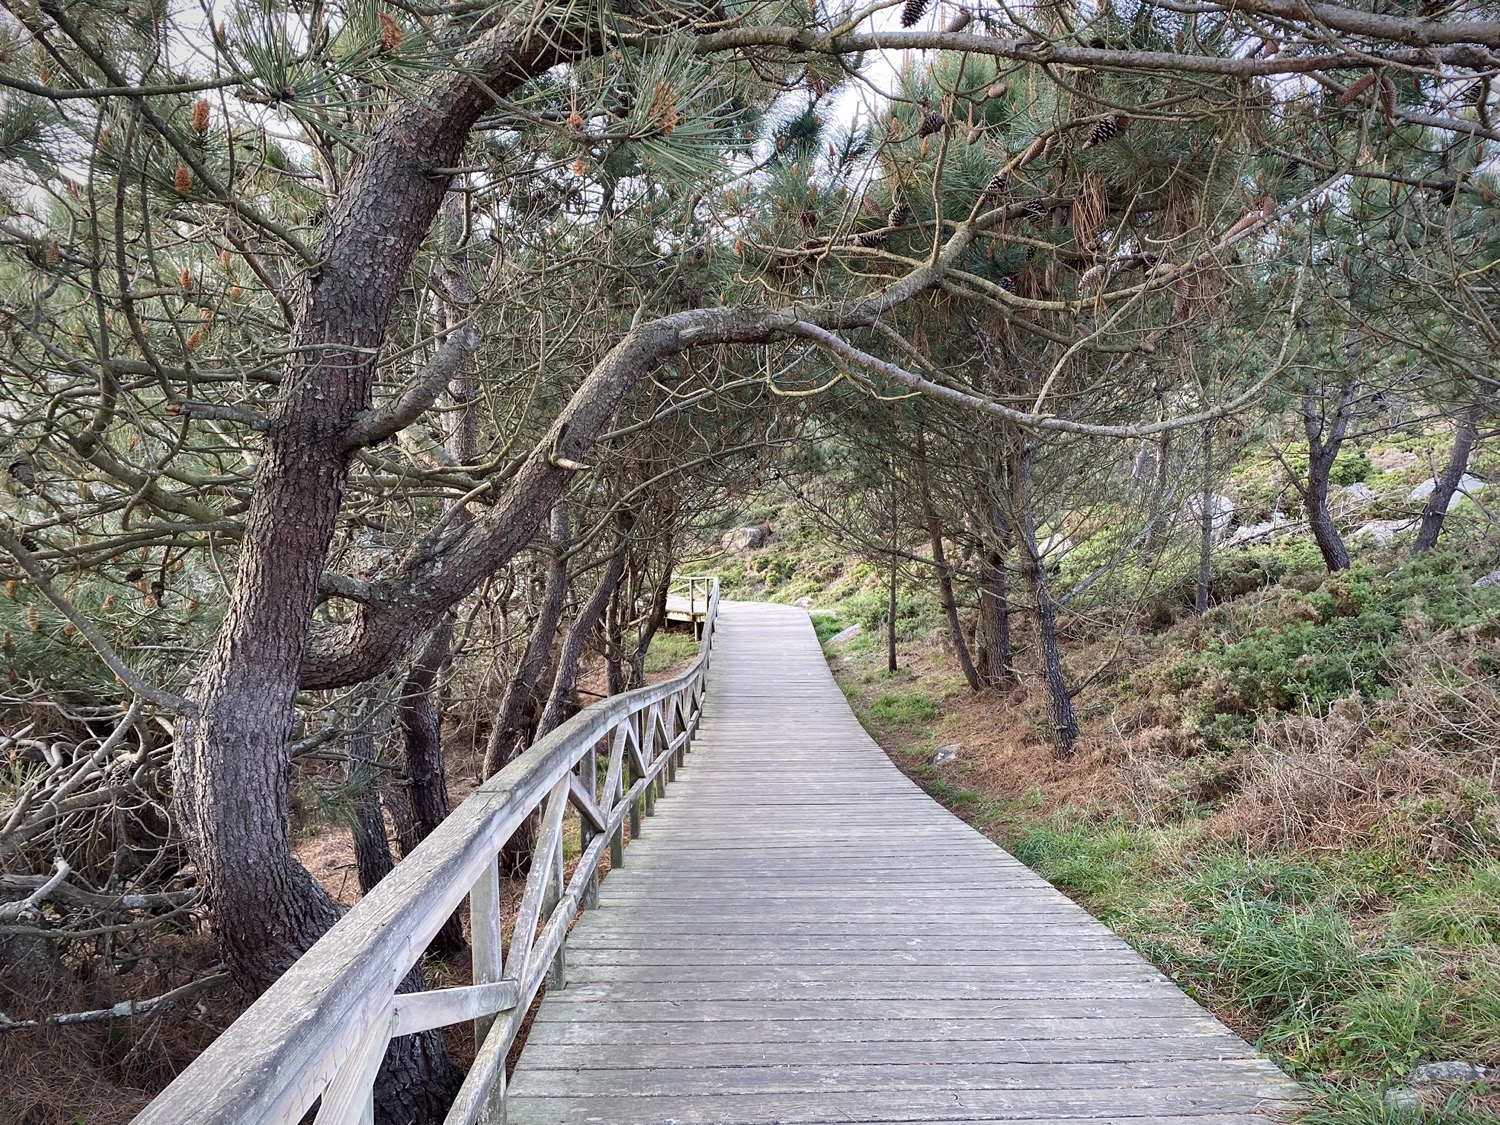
(802,935)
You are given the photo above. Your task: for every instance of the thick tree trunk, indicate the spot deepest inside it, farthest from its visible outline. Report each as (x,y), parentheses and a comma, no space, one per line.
(421,721)
(1431,525)
(999,661)
(231,764)
(1325,437)
(944,574)
(1064,720)
(372,848)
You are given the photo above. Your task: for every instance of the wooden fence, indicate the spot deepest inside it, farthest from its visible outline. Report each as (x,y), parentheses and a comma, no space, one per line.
(322,1029)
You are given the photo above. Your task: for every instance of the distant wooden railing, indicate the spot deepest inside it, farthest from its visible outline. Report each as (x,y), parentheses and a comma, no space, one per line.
(322,1029)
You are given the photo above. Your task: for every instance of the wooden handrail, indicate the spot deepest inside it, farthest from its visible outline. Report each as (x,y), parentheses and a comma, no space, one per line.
(322,1029)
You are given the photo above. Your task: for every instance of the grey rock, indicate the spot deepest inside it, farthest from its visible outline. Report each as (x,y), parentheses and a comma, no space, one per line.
(1451,1071)
(1358,495)
(1221,512)
(743,538)
(1250,532)
(1383,531)
(847,634)
(803,603)
(1490,579)
(944,754)
(1054,547)
(1399,1098)
(1469,484)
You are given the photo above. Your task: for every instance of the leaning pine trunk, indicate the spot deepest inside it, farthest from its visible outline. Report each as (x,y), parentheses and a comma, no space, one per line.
(1325,437)
(1064,720)
(1431,525)
(509,732)
(944,574)
(994,604)
(372,848)
(583,625)
(655,619)
(421,720)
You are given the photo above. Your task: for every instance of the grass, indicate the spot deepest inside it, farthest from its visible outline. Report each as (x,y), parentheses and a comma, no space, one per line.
(896,709)
(668,649)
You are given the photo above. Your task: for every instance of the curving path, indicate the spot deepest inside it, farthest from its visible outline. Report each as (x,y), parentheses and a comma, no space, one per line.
(802,935)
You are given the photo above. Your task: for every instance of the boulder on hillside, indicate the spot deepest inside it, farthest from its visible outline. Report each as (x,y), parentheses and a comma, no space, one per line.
(1221,511)
(1490,579)
(1383,531)
(803,603)
(1356,496)
(1469,484)
(848,634)
(744,538)
(1254,532)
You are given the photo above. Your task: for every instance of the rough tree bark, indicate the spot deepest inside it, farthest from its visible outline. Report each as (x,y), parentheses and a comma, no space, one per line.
(231,762)
(1325,436)
(656,617)
(944,573)
(584,624)
(1465,435)
(421,720)
(1060,700)
(372,848)
(508,734)
(998,658)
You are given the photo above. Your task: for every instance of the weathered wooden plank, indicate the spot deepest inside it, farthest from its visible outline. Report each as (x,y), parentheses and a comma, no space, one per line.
(1110,1105)
(734,1035)
(659,1056)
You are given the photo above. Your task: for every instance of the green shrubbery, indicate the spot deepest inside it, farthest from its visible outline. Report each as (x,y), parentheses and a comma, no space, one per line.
(1345,636)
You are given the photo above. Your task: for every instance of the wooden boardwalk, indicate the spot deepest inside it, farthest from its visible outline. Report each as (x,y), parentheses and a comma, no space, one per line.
(802,935)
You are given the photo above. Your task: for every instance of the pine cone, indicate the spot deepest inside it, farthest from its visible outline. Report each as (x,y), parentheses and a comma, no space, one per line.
(391,34)
(869,239)
(913,11)
(932,123)
(1007,283)
(1035,209)
(958,23)
(1107,130)
(1293,166)
(998,183)
(900,214)
(20,468)
(201,116)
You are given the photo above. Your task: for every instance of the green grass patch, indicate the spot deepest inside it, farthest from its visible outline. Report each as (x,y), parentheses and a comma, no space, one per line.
(896,709)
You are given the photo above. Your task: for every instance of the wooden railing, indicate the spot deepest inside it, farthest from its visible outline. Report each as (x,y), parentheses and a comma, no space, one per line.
(322,1029)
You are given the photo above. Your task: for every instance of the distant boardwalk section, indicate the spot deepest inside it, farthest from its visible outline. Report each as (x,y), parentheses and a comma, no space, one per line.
(801,935)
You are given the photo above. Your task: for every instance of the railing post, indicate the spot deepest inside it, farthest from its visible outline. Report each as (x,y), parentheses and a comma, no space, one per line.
(635,805)
(484,927)
(557,974)
(590,768)
(648,755)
